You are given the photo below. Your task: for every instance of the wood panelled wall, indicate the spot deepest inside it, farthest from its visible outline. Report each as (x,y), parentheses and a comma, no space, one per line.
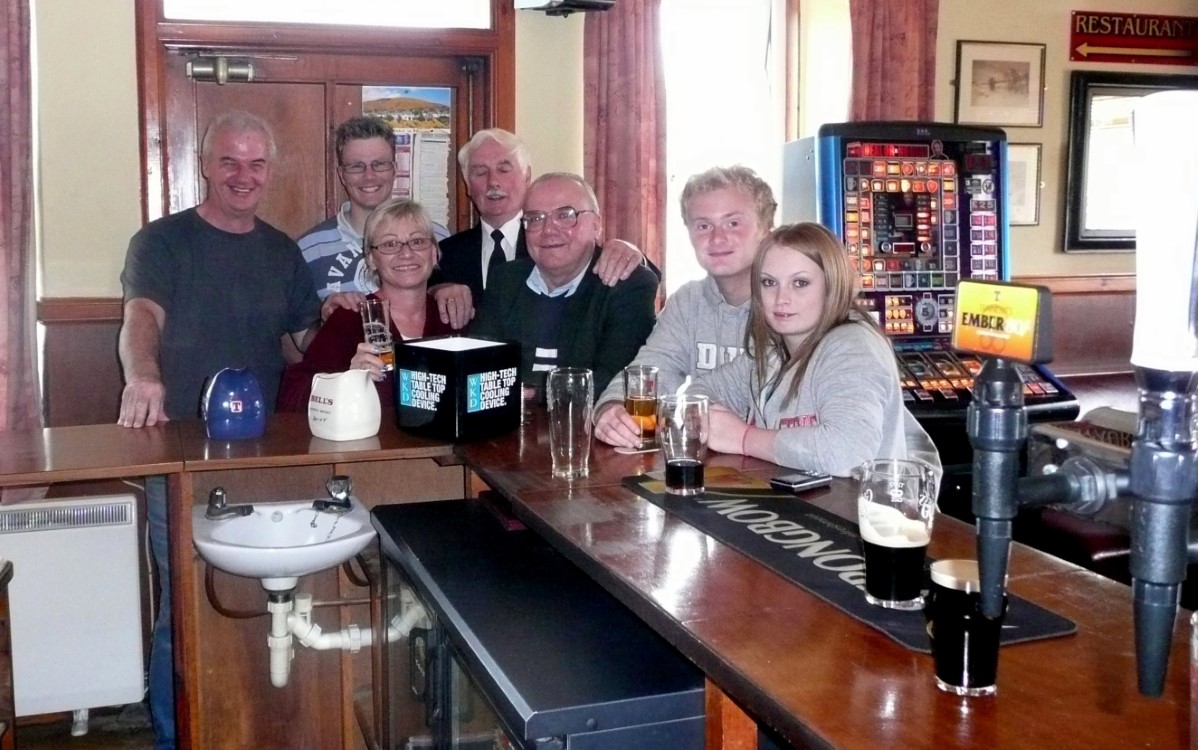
(1092,328)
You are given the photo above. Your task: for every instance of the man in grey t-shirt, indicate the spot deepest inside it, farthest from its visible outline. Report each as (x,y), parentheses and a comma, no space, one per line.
(728,212)
(210,287)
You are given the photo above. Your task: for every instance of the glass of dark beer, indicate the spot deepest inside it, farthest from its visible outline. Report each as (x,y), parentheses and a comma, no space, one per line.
(682,431)
(896,504)
(640,401)
(964,641)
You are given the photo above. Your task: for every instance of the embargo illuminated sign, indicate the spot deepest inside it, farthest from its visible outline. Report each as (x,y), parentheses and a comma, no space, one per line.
(1133,38)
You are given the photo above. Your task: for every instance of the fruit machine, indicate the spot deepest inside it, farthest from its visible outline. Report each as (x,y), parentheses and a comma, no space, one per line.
(920,207)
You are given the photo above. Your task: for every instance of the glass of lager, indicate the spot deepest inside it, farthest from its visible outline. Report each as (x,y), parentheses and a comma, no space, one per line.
(376,328)
(896,504)
(640,401)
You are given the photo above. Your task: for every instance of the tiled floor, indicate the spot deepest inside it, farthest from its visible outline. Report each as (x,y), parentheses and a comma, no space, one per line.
(127,729)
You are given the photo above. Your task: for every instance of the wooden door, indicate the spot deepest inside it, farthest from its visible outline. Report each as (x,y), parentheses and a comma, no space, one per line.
(304,97)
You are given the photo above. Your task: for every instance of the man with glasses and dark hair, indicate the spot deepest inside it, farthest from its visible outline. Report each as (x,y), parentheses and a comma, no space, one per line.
(332,249)
(496,168)
(551,303)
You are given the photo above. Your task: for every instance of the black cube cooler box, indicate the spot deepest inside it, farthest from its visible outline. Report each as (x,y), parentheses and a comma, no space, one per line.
(457,388)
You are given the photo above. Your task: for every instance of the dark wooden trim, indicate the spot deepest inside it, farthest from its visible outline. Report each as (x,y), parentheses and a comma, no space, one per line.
(79,309)
(1083,284)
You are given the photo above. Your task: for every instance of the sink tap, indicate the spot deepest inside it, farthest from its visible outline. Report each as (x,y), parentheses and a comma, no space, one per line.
(219,508)
(339,487)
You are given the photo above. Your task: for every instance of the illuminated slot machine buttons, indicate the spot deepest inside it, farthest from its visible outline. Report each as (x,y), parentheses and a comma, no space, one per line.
(976,264)
(990,235)
(934,168)
(950,279)
(991,220)
(949,169)
(850,199)
(921,167)
(977,235)
(853,264)
(887,246)
(976,220)
(945,326)
(933,186)
(877,186)
(1027,390)
(937,279)
(892,265)
(851,233)
(948,186)
(893,167)
(950,217)
(987,185)
(923,395)
(879,169)
(896,281)
(950,234)
(924,280)
(908,168)
(879,265)
(865,214)
(863,185)
(892,186)
(1037,388)
(908,281)
(1050,389)
(904,185)
(949,202)
(949,394)
(867,250)
(867,281)
(850,217)
(919,186)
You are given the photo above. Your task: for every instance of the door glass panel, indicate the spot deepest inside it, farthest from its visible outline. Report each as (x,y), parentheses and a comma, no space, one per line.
(421,120)
(408,697)
(427,14)
(473,724)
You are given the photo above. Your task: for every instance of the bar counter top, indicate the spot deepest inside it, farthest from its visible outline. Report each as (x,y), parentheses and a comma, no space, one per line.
(816,676)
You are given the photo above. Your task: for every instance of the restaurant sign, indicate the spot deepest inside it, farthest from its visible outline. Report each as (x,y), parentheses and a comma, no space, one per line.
(1097,36)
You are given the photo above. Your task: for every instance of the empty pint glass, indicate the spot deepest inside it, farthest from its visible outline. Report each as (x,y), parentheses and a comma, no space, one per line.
(896,504)
(570,397)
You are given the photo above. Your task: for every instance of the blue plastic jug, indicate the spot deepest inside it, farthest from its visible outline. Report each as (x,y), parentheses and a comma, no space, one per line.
(233,405)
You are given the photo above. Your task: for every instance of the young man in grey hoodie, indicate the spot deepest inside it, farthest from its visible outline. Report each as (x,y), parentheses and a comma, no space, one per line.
(728,212)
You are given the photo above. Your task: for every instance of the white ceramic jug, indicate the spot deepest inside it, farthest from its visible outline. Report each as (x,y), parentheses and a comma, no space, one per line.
(344,406)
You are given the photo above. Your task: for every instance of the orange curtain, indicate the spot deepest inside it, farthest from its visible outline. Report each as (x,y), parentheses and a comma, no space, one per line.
(20,409)
(625,133)
(894,59)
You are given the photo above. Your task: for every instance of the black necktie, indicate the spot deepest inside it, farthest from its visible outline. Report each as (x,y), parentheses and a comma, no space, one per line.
(497,256)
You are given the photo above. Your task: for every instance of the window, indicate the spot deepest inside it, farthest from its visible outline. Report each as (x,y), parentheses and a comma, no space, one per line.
(724,102)
(429,14)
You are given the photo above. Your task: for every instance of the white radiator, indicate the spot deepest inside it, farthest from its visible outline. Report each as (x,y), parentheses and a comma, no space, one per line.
(75,603)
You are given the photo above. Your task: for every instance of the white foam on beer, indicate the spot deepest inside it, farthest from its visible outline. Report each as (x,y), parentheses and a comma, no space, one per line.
(888,527)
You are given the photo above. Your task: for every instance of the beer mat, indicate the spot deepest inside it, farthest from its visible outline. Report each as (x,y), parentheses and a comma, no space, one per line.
(816,550)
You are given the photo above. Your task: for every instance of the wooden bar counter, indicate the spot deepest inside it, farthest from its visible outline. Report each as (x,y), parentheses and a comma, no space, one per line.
(815,676)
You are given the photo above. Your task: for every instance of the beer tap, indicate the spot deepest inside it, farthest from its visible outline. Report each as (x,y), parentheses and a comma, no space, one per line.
(1163,471)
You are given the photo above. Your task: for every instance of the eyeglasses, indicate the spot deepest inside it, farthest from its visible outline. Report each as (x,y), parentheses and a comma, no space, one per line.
(375,166)
(566,217)
(391,247)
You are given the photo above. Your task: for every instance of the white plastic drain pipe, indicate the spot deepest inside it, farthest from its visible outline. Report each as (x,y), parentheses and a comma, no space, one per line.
(291,617)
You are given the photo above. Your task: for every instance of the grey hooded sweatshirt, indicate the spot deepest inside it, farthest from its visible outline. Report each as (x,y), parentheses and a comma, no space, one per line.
(696,332)
(848,409)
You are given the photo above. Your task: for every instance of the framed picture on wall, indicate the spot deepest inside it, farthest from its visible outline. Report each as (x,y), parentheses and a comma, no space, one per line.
(1023,183)
(1000,83)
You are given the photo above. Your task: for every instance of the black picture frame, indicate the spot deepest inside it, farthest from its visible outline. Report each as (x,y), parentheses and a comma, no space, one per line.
(1080,182)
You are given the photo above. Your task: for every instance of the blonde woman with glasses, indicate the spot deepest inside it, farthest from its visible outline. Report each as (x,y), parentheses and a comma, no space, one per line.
(401,250)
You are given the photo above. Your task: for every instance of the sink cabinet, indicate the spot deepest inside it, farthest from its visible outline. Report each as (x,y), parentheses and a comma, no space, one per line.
(224,697)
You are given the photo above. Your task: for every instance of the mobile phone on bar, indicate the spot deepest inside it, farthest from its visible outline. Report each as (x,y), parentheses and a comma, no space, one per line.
(803,479)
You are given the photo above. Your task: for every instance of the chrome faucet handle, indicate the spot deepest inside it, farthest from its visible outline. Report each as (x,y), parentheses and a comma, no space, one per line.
(218,498)
(340,486)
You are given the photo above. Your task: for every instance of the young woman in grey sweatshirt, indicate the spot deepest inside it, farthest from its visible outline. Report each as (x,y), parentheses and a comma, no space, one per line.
(818,387)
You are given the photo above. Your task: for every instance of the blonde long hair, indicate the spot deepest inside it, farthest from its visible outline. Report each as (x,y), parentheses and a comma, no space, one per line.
(840,305)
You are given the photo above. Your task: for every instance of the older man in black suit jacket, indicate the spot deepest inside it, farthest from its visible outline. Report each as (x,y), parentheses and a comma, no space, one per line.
(496,168)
